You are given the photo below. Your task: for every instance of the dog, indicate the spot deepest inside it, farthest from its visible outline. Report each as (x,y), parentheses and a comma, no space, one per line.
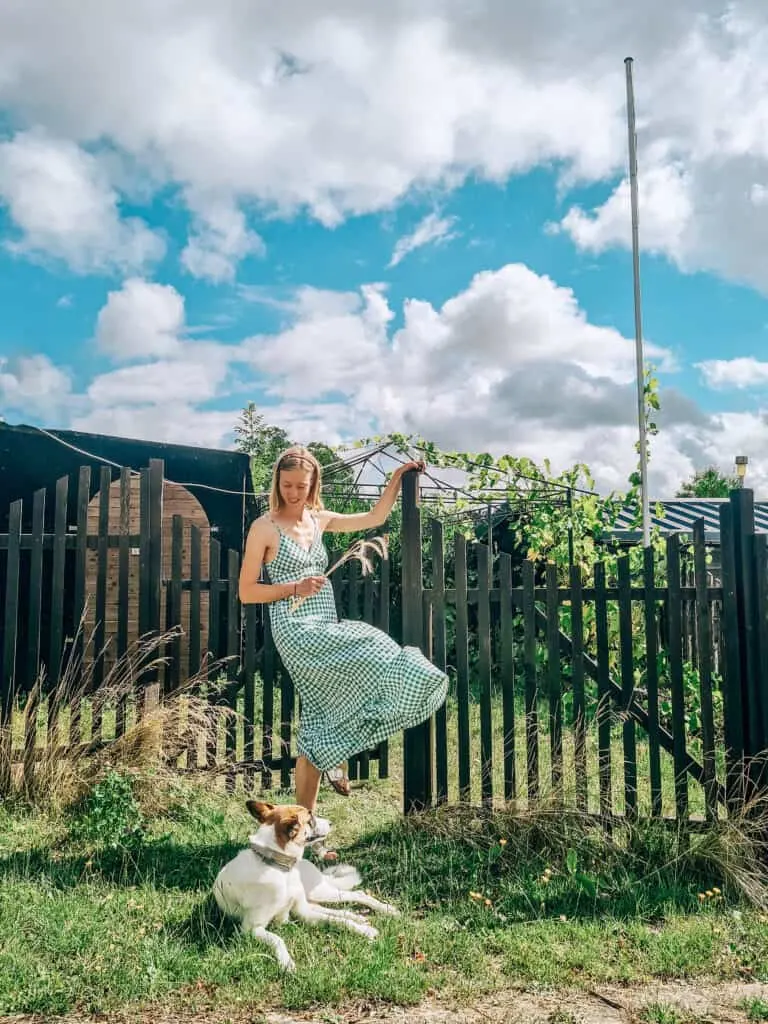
(270,881)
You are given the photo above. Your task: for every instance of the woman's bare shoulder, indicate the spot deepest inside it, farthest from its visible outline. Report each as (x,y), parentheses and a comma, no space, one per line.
(262,527)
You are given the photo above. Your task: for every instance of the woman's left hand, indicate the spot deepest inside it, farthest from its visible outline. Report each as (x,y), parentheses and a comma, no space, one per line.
(417,464)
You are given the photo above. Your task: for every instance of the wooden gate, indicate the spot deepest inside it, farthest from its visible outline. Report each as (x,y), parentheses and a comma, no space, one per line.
(582,690)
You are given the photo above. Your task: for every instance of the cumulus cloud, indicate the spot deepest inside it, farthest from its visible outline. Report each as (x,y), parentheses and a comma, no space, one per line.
(141,319)
(667,212)
(741,373)
(192,378)
(509,364)
(703,155)
(220,240)
(62,204)
(345,108)
(177,422)
(335,341)
(33,385)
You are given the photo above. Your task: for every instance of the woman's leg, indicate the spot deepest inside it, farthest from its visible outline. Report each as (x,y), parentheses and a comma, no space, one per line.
(307,787)
(307,783)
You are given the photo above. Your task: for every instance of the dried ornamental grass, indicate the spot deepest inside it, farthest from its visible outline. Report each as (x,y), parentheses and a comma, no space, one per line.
(58,774)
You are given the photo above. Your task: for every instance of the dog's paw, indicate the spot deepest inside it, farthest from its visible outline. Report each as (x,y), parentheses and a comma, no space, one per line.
(389,910)
(357,919)
(369,933)
(288,965)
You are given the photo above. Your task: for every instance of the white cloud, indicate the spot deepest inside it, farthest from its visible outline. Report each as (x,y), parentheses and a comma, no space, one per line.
(344,108)
(703,154)
(429,231)
(59,198)
(141,320)
(220,241)
(509,364)
(336,340)
(192,378)
(666,210)
(33,385)
(741,373)
(176,422)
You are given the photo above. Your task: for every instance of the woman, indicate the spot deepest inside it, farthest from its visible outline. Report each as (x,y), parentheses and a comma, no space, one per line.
(357,686)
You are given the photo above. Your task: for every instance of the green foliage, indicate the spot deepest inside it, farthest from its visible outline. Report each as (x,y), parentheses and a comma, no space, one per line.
(756,1009)
(548,511)
(263,444)
(708,483)
(109,816)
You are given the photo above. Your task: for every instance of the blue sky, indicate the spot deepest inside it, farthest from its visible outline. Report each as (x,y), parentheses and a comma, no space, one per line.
(161,264)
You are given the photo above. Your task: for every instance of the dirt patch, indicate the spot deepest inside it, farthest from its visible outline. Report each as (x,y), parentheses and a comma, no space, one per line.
(694,1002)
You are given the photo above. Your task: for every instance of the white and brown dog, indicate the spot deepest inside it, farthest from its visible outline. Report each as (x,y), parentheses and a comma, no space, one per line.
(270,881)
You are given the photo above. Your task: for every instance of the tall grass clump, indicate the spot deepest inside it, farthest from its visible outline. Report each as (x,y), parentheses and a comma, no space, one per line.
(55,775)
(524,863)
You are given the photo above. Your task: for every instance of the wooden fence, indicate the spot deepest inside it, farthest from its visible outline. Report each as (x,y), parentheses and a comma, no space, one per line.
(595,695)
(591,690)
(140,594)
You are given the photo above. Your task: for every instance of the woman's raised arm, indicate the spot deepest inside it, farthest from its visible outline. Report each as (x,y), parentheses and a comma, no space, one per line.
(336,522)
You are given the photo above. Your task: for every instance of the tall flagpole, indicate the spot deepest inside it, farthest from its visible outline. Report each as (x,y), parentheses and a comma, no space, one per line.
(640,362)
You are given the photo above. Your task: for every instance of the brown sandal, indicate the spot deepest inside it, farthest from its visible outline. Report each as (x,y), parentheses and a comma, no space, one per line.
(338,780)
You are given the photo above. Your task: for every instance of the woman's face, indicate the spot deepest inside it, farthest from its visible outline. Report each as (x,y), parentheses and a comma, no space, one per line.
(294,487)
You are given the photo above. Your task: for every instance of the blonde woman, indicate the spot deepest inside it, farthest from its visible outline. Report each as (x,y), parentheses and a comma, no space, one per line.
(357,686)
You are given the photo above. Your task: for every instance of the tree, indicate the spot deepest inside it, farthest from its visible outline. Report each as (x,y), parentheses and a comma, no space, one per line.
(708,483)
(262,443)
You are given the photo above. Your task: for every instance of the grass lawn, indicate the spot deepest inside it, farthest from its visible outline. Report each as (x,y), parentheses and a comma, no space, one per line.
(488,903)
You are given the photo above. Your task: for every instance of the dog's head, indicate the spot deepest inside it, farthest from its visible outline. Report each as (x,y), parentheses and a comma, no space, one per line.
(292,823)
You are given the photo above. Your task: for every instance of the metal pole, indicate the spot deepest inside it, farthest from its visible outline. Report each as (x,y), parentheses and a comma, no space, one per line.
(640,362)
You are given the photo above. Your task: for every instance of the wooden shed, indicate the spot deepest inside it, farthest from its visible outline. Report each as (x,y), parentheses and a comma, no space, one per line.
(177,500)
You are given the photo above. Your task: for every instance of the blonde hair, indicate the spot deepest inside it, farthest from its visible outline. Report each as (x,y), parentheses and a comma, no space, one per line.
(297,457)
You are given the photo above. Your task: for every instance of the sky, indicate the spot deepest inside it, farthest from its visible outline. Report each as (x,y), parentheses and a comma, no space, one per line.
(371,218)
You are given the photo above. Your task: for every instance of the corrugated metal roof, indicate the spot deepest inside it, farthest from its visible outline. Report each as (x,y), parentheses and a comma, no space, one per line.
(678,515)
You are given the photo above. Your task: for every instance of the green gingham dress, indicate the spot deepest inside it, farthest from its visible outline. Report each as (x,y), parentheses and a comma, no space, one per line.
(357,686)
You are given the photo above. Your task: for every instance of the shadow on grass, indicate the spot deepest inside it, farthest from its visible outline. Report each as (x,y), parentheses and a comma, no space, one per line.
(164,863)
(203,927)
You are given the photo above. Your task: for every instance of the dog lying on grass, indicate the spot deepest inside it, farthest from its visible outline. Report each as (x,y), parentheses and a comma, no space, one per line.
(271,881)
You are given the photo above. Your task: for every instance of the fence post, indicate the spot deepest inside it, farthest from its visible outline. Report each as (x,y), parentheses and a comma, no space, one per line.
(750,621)
(417,747)
(151,564)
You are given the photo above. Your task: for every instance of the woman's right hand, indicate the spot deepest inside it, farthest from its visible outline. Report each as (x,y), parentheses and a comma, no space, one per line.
(310,586)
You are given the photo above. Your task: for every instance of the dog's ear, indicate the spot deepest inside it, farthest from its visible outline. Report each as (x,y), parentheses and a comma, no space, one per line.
(259,809)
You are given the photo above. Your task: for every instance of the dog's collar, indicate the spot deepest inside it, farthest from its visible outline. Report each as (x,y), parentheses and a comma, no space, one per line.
(284,861)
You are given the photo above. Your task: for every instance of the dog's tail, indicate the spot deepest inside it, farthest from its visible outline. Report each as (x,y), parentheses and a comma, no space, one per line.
(343,876)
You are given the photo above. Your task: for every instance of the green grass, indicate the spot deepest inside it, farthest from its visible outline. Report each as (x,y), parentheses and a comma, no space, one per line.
(756,1009)
(660,1013)
(97,928)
